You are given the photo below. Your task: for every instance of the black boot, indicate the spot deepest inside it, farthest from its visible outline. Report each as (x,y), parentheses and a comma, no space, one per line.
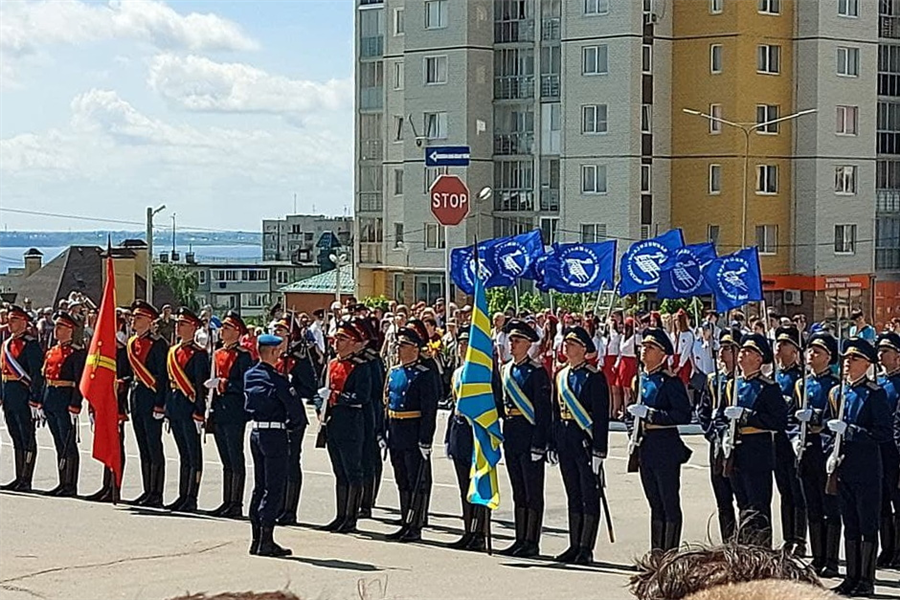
(867,559)
(532,545)
(341,492)
(727,524)
(157,483)
(24,484)
(184,475)
(70,477)
(817,544)
(351,513)
(61,470)
(104,494)
(479,519)
(19,457)
(787,529)
(418,503)
(190,502)
(236,507)
(405,500)
(467,527)
(585,554)
(521,519)
(254,541)
(672,535)
(227,483)
(800,524)
(851,578)
(895,561)
(576,521)
(657,535)
(267,545)
(288,516)
(146,482)
(832,549)
(886,537)
(367,502)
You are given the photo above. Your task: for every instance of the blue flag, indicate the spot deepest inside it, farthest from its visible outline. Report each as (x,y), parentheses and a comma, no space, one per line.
(537,270)
(576,268)
(735,279)
(644,261)
(462,266)
(683,275)
(503,261)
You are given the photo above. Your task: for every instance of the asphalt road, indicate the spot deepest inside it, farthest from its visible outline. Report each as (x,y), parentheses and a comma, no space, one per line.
(73,549)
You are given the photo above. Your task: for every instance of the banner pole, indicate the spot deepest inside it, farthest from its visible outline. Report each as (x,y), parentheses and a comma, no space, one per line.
(516,295)
(447,314)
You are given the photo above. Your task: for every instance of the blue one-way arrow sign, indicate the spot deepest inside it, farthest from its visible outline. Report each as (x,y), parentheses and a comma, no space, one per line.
(447,156)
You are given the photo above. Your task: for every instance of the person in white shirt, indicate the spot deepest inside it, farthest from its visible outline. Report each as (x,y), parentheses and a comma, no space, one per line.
(682,362)
(315,328)
(613,348)
(703,352)
(626,363)
(500,339)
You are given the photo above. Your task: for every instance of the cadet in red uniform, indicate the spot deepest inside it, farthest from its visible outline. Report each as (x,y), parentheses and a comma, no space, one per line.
(227,415)
(188,366)
(20,364)
(63,365)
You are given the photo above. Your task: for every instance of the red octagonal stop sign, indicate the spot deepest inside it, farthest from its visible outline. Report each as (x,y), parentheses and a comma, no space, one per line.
(449,199)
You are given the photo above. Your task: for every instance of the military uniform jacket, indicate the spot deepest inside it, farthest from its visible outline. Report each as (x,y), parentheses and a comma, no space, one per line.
(123,381)
(666,397)
(270,397)
(63,365)
(301,370)
(818,387)
(459,436)
(188,366)
(529,379)
(292,370)
(147,355)
(412,397)
(766,413)
(867,415)
(787,382)
(589,386)
(21,360)
(349,397)
(375,413)
(710,399)
(228,399)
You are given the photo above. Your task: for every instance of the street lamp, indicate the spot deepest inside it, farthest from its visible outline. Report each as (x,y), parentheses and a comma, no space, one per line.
(747,128)
(339,260)
(151,212)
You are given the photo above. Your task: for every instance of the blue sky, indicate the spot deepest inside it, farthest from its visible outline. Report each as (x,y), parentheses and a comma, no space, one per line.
(220,110)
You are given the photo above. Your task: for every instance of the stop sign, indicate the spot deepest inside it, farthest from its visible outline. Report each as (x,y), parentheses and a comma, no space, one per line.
(449,199)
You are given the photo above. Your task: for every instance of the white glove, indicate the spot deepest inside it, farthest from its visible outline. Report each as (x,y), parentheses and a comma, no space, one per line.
(447,450)
(323,393)
(804,415)
(552,457)
(74,418)
(121,337)
(91,419)
(639,411)
(734,412)
(382,443)
(837,426)
(159,415)
(37,414)
(596,463)
(537,456)
(199,426)
(426,451)
(212,383)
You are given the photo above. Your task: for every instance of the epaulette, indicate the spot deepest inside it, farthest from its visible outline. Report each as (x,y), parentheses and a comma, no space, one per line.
(422,368)
(240,348)
(358,359)
(198,347)
(590,368)
(154,336)
(766,380)
(535,363)
(28,337)
(872,385)
(77,346)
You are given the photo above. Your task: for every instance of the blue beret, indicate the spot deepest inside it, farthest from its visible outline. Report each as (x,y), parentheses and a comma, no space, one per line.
(860,347)
(759,344)
(267,339)
(659,338)
(580,335)
(889,340)
(827,342)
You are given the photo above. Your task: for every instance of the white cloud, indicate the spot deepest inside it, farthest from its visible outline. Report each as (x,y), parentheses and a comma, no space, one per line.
(198,84)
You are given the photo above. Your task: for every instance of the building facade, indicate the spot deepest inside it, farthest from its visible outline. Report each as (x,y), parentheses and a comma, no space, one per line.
(295,237)
(248,287)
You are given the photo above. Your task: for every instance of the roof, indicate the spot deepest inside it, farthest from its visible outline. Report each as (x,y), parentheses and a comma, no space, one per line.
(324,283)
(77,268)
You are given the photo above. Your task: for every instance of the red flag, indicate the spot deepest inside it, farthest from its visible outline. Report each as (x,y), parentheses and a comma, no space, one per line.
(98,382)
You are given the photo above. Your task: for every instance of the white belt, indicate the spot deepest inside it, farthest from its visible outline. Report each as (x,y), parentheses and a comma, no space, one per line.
(267,425)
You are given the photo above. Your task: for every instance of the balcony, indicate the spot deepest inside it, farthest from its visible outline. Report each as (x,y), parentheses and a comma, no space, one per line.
(511,144)
(371,47)
(371,98)
(550,29)
(513,200)
(889,27)
(370,253)
(887,259)
(549,86)
(887,201)
(514,87)
(371,149)
(370,202)
(514,31)
(549,200)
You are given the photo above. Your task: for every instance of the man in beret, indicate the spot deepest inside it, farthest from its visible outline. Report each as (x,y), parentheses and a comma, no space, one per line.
(580,439)
(662,405)
(228,419)
(863,424)
(20,364)
(754,412)
(889,357)
(812,413)
(188,365)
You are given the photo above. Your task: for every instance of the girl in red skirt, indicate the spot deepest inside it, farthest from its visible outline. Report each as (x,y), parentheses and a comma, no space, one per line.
(627,364)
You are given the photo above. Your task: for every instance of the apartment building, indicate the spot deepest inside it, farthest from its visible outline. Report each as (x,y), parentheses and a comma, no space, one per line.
(296,237)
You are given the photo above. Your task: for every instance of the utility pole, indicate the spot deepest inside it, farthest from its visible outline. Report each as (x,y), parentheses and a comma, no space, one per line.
(149,273)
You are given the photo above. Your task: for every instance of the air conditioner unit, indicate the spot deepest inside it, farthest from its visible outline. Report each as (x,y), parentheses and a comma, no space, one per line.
(793,297)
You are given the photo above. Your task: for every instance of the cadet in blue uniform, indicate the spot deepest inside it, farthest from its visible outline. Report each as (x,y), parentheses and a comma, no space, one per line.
(793,511)
(61,403)
(413,390)
(350,395)
(20,362)
(888,347)
(527,417)
(864,427)
(662,406)
(580,438)
(228,419)
(374,439)
(711,400)
(755,413)
(274,409)
(823,509)
(149,379)
(188,366)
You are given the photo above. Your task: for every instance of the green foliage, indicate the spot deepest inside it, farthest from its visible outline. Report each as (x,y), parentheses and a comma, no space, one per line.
(374,302)
(182,281)
(692,306)
(499,299)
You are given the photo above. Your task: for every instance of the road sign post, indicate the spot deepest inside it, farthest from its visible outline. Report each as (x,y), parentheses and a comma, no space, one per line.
(449,199)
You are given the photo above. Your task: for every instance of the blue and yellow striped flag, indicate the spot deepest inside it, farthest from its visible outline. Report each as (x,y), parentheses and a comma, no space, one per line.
(476,403)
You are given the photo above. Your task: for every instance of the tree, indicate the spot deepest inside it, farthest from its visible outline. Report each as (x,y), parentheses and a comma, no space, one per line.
(182,281)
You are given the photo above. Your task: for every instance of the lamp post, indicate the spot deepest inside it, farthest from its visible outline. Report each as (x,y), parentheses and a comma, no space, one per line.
(339,260)
(149,275)
(747,129)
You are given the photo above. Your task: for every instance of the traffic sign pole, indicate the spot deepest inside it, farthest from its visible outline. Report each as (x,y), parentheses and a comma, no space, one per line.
(449,199)
(447,275)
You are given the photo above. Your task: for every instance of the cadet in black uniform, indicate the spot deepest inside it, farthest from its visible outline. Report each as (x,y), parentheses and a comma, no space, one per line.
(823,509)
(350,395)
(274,409)
(580,437)
(711,400)
(20,362)
(888,346)
(413,390)
(374,440)
(793,510)
(63,366)
(864,427)
(188,366)
(228,419)
(754,413)
(149,378)
(662,406)
(527,417)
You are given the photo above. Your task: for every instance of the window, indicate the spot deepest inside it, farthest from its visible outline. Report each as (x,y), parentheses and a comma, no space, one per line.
(769,7)
(398,128)
(848,61)
(715,110)
(845,180)
(431,173)
(592,233)
(845,239)
(254,299)
(398,235)
(434,236)
(646,118)
(712,233)
(847,119)
(398,75)
(371,230)
(549,228)
(848,8)
(767,238)
(593,118)
(646,179)
(716,6)
(201,276)
(594,60)
(596,7)
(398,182)
(646,59)
(436,14)
(764,114)
(436,125)
(398,21)
(766,179)
(715,179)
(435,69)
(768,59)
(281,277)
(715,58)
(593,179)
(428,288)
